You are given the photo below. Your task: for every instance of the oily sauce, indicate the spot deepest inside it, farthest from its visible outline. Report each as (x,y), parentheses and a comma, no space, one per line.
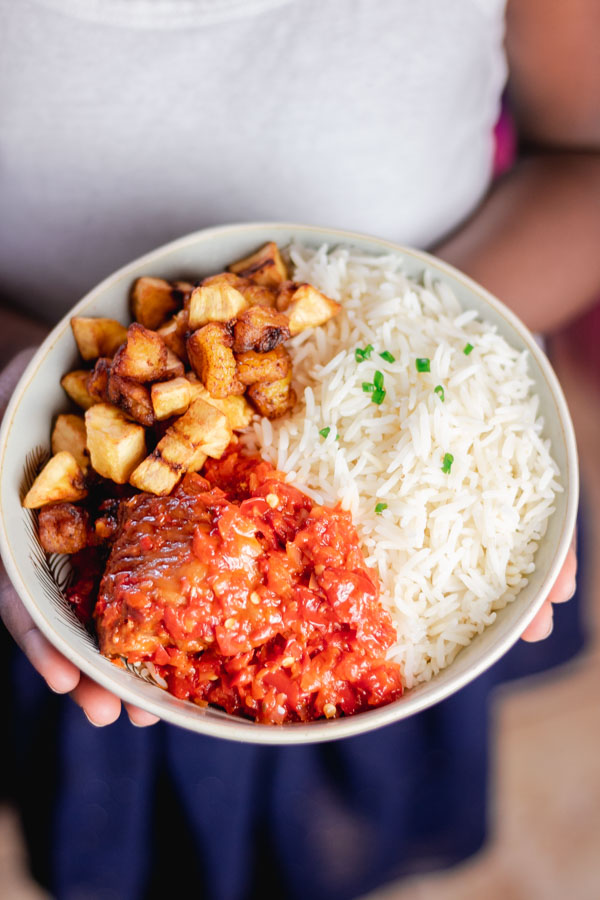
(244,594)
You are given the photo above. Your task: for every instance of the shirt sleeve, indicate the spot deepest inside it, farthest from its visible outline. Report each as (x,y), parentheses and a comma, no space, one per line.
(9,376)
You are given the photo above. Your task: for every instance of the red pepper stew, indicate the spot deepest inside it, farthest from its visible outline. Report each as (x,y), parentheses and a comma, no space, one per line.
(245,595)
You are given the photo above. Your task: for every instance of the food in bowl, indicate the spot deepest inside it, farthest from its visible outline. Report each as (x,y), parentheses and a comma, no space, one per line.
(412,416)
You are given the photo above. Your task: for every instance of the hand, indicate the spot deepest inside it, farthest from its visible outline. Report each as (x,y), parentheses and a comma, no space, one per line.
(562,590)
(99,705)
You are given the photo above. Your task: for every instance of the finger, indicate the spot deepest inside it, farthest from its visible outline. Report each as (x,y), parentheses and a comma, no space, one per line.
(99,705)
(139,717)
(60,674)
(565,584)
(541,626)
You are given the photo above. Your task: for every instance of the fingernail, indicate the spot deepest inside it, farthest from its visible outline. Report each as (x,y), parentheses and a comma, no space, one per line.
(143,724)
(572,594)
(91,721)
(550,629)
(60,691)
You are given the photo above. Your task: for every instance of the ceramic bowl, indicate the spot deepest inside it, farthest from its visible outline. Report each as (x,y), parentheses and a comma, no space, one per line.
(25,444)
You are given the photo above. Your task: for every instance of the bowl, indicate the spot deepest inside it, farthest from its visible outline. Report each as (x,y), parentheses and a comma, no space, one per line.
(25,444)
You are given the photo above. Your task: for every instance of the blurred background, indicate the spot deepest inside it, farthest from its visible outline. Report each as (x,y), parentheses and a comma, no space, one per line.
(545,791)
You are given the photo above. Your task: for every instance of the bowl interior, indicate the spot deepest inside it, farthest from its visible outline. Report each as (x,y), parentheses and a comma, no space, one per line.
(25,442)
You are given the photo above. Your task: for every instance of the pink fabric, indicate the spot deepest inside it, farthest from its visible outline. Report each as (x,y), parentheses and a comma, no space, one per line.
(583,338)
(505,137)
(10,376)
(18,331)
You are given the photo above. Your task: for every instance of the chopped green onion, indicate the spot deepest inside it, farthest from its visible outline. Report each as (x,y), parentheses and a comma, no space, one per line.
(367,387)
(387,356)
(439,390)
(378,379)
(468,349)
(380,508)
(324,432)
(378,396)
(423,364)
(447,464)
(361,355)
(337,437)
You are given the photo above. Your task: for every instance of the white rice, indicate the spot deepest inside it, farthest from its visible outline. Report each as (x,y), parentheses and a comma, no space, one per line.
(450,549)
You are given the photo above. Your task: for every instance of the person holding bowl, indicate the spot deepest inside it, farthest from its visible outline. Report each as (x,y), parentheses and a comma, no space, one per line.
(124,127)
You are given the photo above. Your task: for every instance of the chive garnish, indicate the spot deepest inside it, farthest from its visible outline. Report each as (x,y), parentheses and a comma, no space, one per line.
(447,464)
(361,355)
(387,356)
(378,379)
(439,390)
(378,396)
(423,364)
(367,387)
(380,508)
(324,432)
(468,348)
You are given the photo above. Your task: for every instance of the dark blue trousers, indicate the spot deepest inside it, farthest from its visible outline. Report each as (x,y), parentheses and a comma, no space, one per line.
(122,813)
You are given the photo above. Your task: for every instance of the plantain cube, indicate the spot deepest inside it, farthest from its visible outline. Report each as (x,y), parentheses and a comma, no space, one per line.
(255,368)
(211,357)
(97,383)
(265,267)
(170,398)
(69,434)
(260,329)
(97,336)
(132,397)
(153,300)
(144,356)
(235,407)
(156,476)
(75,385)
(274,399)
(306,307)
(175,367)
(60,479)
(116,444)
(202,430)
(174,333)
(217,302)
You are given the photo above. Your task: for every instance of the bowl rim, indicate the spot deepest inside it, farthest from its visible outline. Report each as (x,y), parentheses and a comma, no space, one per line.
(232,728)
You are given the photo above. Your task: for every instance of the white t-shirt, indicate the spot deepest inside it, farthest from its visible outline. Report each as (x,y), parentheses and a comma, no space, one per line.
(126,123)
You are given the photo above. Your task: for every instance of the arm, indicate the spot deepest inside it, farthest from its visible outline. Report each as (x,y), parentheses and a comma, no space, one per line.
(534,241)
(17,332)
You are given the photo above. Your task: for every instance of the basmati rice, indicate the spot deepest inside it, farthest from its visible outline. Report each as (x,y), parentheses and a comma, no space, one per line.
(451,548)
